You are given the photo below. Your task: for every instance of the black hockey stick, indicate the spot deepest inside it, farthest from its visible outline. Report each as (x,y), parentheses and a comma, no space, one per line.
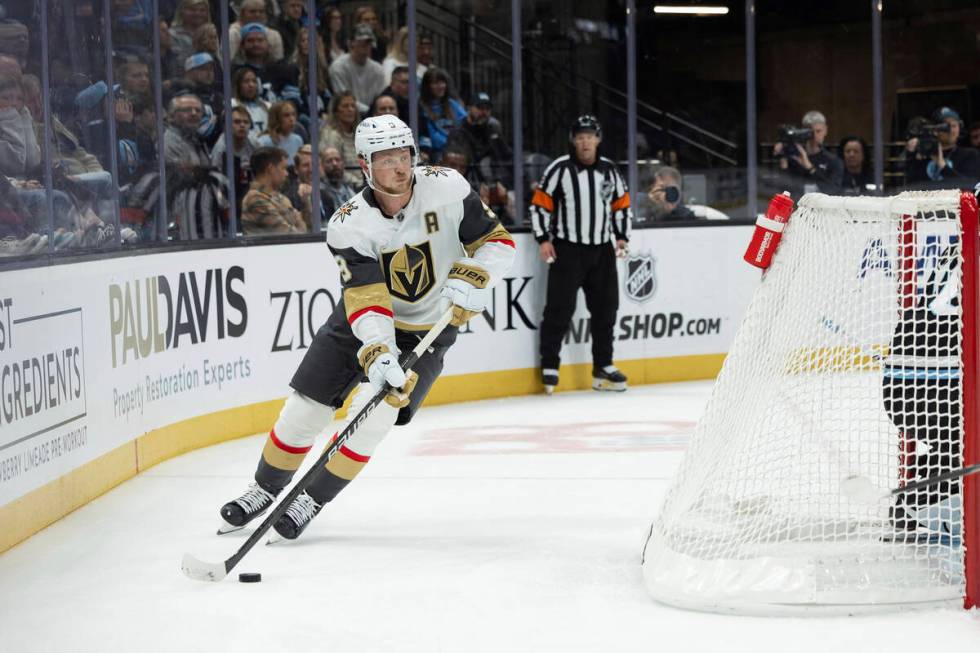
(862,489)
(214,572)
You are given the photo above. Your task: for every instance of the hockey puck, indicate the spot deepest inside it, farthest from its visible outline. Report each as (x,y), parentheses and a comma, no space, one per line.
(245,577)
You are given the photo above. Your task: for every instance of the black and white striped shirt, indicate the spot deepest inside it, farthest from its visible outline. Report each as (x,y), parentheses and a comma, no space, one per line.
(588,205)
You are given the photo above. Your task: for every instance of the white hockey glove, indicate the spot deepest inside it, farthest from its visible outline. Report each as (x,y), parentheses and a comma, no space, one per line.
(466,290)
(381,366)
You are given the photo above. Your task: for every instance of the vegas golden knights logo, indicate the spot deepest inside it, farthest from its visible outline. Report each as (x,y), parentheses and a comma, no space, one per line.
(409,271)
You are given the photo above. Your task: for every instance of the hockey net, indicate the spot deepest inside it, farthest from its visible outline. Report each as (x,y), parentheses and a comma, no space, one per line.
(856,357)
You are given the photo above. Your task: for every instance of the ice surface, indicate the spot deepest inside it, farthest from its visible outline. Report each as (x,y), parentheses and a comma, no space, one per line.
(506,525)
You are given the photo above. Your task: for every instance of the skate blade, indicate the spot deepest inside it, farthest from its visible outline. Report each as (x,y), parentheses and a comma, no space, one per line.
(275,538)
(604,385)
(549,390)
(226,528)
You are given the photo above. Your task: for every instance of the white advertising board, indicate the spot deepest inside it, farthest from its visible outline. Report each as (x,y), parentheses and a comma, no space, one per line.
(95,354)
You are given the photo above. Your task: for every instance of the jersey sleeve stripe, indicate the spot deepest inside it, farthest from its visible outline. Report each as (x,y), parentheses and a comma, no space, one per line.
(503,241)
(351,318)
(495,233)
(621,202)
(544,200)
(369,297)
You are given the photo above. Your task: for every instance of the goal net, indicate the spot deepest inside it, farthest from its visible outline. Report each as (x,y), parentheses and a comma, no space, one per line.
(856,358)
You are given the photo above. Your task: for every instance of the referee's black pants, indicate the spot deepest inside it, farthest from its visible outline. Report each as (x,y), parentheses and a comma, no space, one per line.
(593,269)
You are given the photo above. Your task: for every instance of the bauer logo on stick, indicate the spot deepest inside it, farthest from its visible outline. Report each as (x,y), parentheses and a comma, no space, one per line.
(641,278)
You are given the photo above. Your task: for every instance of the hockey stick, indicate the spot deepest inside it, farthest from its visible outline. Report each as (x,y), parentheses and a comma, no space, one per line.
(214,572)
(860,488)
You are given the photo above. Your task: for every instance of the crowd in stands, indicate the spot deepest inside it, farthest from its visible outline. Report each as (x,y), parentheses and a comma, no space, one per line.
(104,140)
(361,70)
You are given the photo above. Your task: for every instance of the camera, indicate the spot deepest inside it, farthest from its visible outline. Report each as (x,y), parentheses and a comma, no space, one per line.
(926,133)
(790,135)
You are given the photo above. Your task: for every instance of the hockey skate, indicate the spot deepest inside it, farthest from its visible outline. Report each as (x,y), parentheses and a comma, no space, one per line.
(549,378)
(238,512)
(608,379)
(297,517)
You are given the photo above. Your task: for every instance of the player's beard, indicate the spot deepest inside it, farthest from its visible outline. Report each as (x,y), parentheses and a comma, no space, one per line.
(399,189)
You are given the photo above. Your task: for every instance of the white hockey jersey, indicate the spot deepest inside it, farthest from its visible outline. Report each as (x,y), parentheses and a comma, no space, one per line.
(393,267)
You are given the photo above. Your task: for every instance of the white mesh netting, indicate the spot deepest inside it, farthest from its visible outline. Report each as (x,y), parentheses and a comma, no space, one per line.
(847,364)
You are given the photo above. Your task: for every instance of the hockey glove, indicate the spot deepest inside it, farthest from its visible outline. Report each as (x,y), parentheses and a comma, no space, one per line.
(399,397)
(466,290)
(381,367)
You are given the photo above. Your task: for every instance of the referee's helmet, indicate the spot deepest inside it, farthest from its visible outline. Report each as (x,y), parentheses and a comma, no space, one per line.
(585,122)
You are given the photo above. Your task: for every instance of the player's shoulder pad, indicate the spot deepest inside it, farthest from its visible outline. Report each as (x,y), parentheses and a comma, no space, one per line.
(350,223)
(438,186)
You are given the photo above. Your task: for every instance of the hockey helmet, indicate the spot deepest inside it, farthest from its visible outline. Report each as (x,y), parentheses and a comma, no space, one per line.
(380,133)
(585,122)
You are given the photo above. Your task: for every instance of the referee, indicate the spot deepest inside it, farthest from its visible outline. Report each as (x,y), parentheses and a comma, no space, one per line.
(581,207)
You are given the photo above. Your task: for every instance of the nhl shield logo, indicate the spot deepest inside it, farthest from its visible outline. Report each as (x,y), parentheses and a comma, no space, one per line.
(641,278)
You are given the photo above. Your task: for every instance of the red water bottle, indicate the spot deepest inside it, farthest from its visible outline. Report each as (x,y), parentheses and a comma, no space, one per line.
(768,231)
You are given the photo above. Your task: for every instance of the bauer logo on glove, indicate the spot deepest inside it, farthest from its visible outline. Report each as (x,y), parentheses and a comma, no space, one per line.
(466,290)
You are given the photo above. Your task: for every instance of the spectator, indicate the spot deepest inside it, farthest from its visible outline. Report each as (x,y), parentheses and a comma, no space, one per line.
(975,135)
(482,136)
(194,187)
(665,196)
(246,89)
(190,15)
(199,80)
(279,133)
(20,154)
(357,72)
(336,183)
(15,41)
(333,25)
(857,178)
(134,79)
(811,167)
(397,54)
(265,210)
(338,132)
(398,89)
(950,166)
(581,220)
(366,15)
(301,60)
(384,105)
(252,12)
(458,158)
(243,148)
(289,23)
(169,65)
(423,55)
(439,114)
(302,174)
(206,40)
(254,49)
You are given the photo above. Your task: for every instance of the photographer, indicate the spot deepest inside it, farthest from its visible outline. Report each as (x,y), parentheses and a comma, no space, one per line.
(802,155)
(665,197)
(932,158)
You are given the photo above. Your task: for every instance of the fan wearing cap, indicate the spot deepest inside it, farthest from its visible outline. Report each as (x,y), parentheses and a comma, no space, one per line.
(199,79)
(411,245)
(581,218)
(252,12)
(357,72)
(481,134)
(951,166)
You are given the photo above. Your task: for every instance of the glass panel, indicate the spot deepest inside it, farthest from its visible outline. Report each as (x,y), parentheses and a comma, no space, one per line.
(24,214)
(468,126)
(691,115)
(574,64)
(931,94)
(82,104)
(814,89)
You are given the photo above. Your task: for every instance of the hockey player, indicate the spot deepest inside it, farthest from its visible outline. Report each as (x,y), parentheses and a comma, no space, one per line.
(412,243)
(921,392)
